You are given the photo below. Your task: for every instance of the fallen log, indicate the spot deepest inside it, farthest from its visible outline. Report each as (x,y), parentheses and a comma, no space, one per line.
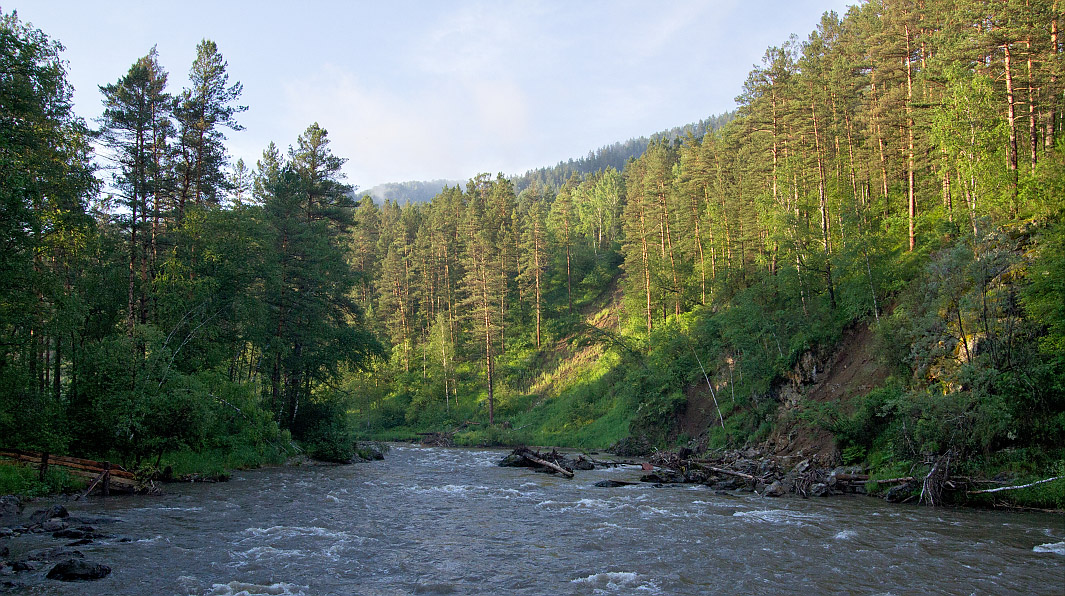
(1018,487)
(724,471)
(887,480)
(536,459)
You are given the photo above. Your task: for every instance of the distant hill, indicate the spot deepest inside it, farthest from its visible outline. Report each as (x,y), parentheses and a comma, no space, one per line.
(413,191)
(615,155)
(611,156)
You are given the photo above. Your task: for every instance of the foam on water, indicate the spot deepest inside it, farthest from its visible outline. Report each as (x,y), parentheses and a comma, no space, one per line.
(846,534)
(293,531)
(774,516)
(236,588)
(617,581)
(1058,548)
(266,552)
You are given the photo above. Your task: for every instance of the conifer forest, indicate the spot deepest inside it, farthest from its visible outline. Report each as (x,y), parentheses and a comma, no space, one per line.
(890,186)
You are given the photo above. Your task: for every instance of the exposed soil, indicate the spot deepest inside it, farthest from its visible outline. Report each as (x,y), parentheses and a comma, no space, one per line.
(852,370)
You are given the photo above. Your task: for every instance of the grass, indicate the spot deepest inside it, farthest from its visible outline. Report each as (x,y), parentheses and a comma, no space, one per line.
(24,481)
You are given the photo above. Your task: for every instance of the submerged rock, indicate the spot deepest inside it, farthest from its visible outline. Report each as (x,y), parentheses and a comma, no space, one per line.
(612,483)
(73,570)
(79,533)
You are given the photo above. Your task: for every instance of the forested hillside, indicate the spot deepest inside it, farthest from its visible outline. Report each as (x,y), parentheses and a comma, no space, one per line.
(901,170)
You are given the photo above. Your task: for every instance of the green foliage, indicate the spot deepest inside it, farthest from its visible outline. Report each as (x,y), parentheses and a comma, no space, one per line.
(25,481)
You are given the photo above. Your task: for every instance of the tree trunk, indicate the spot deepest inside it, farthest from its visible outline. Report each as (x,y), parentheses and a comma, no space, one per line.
(910,181)
(1011,117)
(823,196)
(1053,105)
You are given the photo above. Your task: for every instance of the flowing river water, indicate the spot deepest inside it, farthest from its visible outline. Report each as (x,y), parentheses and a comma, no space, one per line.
(449,521)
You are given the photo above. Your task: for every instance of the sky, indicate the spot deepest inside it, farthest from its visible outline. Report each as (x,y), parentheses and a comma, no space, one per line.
(444,89)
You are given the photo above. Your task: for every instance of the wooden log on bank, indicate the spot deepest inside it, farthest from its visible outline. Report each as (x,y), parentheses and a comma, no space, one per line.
(115,478)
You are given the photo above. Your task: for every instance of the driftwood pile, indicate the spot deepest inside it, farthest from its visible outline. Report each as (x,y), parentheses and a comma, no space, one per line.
(772,476)
(753,471)
(441,439)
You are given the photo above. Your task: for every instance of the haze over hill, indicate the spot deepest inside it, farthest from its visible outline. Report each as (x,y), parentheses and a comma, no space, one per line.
(614,156)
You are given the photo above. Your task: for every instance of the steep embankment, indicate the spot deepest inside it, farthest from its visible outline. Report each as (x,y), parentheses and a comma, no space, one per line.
(829,376)
(835,377)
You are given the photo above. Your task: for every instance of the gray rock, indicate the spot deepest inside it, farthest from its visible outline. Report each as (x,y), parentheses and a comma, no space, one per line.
(53,525)
(54,512)
(727,484)
(774,490)
(512,461)
(73,570)
(820,489)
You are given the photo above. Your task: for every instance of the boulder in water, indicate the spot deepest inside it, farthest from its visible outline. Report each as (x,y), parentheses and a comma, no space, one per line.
(73,570)
(54,512)
(775,490)
(53,525)
(513,461)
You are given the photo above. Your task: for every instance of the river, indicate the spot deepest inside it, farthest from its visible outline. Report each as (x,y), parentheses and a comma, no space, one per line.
(449,521)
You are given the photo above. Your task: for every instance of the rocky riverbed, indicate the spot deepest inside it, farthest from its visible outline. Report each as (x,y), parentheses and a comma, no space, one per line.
(59,559)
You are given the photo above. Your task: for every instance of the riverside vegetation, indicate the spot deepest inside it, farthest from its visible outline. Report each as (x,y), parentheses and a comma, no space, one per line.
(898,177)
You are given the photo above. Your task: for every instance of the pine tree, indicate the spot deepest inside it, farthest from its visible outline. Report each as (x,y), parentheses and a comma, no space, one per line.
(202,112)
